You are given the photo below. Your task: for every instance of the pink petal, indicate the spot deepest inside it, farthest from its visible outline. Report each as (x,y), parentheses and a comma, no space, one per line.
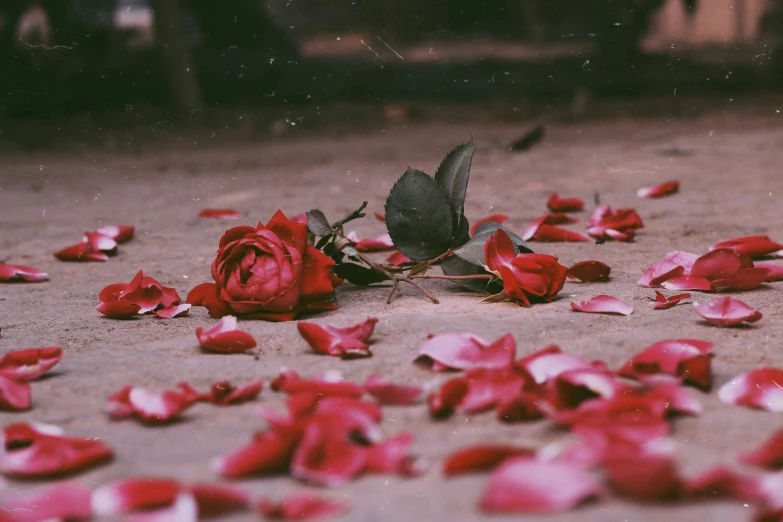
(658,191)
(380,217)
(325,459)
(31,450)
(497,218)
(224,393)
(522,485)
(378,244)
(745,279)
(302,506)
(727,311)
(550,362)
(659,272)
(390,394)
(443,402)
(589,271)
(688,359)
(119,309)
(547,219)
(391,456)
(774,272)
(487,387)
(62,501)
(14,395)
(553,234)
(646,476)
(769,455)
(219,213)
(291,383)
(465,351)
(761,388)
(573,387)
(721,263)
(557,204)
(663,303)
(603,304)
(10,273)
(29,364)
(350,341)
(173,311)
(119,233)
(126,496)
(147,406)
(80,252)
(225,337)
(753,246)
(688,282)
(482,457)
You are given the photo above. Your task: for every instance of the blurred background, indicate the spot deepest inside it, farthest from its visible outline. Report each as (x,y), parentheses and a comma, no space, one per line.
(283,62)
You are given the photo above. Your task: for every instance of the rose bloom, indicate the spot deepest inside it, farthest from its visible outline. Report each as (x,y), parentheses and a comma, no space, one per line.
(268,272)
(526,277)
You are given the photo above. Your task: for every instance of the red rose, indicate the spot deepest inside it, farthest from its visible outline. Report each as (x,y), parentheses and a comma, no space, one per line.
(526,277)
(268,272)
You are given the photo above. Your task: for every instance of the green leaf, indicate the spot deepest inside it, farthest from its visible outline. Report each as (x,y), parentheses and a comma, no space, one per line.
(455,266)
(358,275)
(419,217)
(452,175)
(473,250)
(318,224)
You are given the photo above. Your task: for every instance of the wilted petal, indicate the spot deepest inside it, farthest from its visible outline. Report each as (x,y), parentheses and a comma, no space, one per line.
(658,191)
(303,507)
(390,394)
(522,485)
(219,213)
(761,388)
(30,363)
(753,246)
(769,455)
(482,457)
(350,341)
(726,311)
(225,337)
(589,271)
(497,218)
(62,501)
(465,351)
(173,311)
(688,359)
(557,204)
(11,273)
(662,302)
(14,395)
(689,282)
(603,304)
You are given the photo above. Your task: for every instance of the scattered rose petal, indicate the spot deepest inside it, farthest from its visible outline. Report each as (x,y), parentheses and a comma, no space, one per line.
(497,218)
(727,311)
(81,252)
(147,406)
(719,264)
(573,387)
(721,482)
(769,455)
(350,341)
(658,191)
(465,351)
(688,282)
(659,272)
(223,393)
(14,395)
(649,476)
(522,485)
(302,506)
(522,407)
(13,273)
(397,259)
(603,304)
(663,303)
(119,233)
(550,362)
(553,234)
(332,384)
(557,204)
(443,402)
(225,337)
(589,271)
(219,213)
(121,300)
(774,272)
(39,450)
(379,244)
(391,456)
(380,217)
(62,501)
(745,279)
(390,394)
(688,359)
(548,219)
(761,388)
(30,363)
(620,225)
(171,312)
(482,457)
(753,246)
(119,309)
(487,387)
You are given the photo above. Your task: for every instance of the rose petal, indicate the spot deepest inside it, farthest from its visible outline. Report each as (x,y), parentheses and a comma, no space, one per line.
(350,341)
(100,243)
(487,387)
(119,233)
(688,359)
(774,272)
(620,225)
(126,496)
(225,337)
(589,271)
(603,304)
(573,387)
(391,456)
(769,455)
(499,250)
(267,453)
(550,362)
(30,450)
(219,213)
(745,279)
(721,263)
(119,309)
(443,402)
(660,271)
(325,459)
(142,291)
(14,395)
(80,252)
(658,191)
(29,364)
(688,282)
(62,501)
(522,485)
(648,476)
(753,246)
(522,407)
(557,218)
(224,393)
(12,273)
(482,457)
(302,506)
(662,302)
(553,234)
(761,388)
(727,311)
(147,406)
(378,244)
(397,259)
(721,482)
(173,311)
(497,218)
(390,394)
(466,351)
(291,383)
(557,204)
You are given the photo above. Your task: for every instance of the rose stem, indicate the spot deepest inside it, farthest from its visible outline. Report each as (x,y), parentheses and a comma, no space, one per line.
(476,277)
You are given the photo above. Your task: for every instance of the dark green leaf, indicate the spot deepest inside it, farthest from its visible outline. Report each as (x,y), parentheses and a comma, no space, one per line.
(318,224)
(452,175)
(455,266)
(462,234)
(350,216)
(358,275)
(473,250)
(419,217)
(421,268)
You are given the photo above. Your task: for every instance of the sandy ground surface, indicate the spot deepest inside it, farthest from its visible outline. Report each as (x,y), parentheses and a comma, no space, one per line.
(731,186)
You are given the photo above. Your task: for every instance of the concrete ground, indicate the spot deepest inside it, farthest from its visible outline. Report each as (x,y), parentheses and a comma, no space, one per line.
(729,164)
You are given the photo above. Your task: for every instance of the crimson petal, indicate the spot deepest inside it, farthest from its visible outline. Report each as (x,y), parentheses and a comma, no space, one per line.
(465,351)
(721,263)
(350,341)
(753,246)
(761,388)
(173,311)
(497,218)
(688,359)
(745,279)
(726,311)
(603,304)
(550,362)
(63,501)
(482,457)
(390,394)
(11,273)
(553,234)
(119,233)
(557,204)
(303,507)
(14,395)
(219,213)
(662,302)
(774,272)
(379,244)
(325,459)
(125,496)
(397,259)
(648,476)
(80,252)
(658,191)
(119,309)
(589,271)
(443,402)
(267,453)
(332,384)
(30,363)
(147,406)
(225,337)
(769,455)
(224,393)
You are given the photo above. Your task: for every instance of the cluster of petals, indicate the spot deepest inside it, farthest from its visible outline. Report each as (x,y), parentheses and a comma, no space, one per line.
(143,295)
(620,224)
(347,342)
(323,438)
(20,273)
(718,268)
(18,368)
(545,229)
(97,245)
